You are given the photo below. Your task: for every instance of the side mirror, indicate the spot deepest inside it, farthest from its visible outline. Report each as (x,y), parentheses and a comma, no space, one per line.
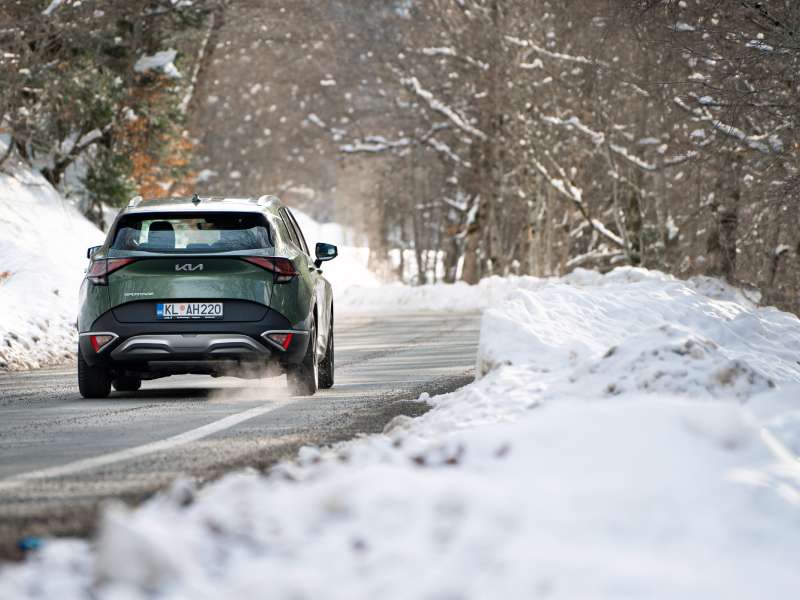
(92,250)
(324,253)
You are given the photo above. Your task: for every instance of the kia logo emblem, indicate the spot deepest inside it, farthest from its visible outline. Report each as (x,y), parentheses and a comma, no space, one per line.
(189,267)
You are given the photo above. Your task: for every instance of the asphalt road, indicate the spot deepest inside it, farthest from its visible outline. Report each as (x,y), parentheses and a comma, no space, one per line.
(61,456)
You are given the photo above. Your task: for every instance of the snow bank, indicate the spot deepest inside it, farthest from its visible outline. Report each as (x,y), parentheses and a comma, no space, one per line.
(43,242)
(492,291)
(587,314)
(637,443)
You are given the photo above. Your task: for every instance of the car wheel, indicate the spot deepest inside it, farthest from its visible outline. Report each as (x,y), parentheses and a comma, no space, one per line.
(303,378)
(327,363)
(93,382)
(127,384)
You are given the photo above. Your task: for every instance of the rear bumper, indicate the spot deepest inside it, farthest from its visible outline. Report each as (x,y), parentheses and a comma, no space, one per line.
(165,346)
(170,346)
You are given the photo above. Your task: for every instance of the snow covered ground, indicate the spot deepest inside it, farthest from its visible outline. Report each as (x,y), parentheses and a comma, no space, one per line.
(43,242)
(631,436)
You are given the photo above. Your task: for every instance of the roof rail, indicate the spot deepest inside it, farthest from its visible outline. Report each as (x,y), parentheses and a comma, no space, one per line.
(135,201)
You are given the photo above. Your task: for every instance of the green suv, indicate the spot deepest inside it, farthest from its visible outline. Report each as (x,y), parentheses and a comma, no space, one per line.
(216,286)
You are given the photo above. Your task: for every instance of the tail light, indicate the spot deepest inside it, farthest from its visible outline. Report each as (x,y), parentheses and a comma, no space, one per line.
(282,268)
(101,269)
(281,338)
(101,340)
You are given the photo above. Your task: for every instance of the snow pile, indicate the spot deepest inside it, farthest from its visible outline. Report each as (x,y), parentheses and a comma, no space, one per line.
(700,320)
(43,242)
(538,480)
(672,360)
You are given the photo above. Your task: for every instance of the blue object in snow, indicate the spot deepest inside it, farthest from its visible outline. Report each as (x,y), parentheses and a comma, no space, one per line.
(28,544)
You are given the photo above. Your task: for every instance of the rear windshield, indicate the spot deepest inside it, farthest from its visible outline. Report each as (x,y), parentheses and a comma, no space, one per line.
(191,232)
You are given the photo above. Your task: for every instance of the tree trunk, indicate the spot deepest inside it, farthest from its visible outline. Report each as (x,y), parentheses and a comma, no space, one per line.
(7,151)
(472,270)
(450,259)
(722,240)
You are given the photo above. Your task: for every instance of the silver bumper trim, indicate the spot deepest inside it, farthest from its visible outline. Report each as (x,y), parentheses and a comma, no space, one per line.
(201,344)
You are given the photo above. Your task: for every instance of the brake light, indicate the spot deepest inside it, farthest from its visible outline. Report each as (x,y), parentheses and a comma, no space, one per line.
(101,269)
(282,268)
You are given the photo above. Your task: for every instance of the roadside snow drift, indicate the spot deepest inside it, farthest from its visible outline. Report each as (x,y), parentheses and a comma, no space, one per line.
(43,242)
(631,436)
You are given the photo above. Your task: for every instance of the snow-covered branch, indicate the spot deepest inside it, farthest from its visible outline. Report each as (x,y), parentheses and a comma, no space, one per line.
(442,108)
(599,138)
(595,255)
(751,141)
(607,233)
(679,159)
(573,193)
(562,185)
(52,7)
(444,149)
(450,52)
(374,144)
(583,60)
(462,206)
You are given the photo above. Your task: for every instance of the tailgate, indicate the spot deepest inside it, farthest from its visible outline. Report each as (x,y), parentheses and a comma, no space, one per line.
(244,288)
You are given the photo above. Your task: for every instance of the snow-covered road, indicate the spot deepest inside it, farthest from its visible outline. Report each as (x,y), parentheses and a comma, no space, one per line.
(631,436)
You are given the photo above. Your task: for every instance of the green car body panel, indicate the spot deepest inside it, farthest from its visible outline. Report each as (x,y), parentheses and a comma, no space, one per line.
(256,296)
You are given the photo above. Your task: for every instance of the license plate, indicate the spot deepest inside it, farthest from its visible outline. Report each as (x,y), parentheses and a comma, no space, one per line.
(188,310)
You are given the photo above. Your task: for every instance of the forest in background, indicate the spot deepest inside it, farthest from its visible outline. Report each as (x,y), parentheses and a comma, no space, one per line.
(485,137)
(541,136)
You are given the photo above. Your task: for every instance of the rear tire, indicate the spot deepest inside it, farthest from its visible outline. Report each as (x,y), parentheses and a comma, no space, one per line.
(127,384)
(93,382)
(303,378)
(326,365)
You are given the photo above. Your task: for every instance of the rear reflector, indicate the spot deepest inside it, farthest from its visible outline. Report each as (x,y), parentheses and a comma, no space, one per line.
(101,269)
(283,340)
(99,341)
(282,268)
